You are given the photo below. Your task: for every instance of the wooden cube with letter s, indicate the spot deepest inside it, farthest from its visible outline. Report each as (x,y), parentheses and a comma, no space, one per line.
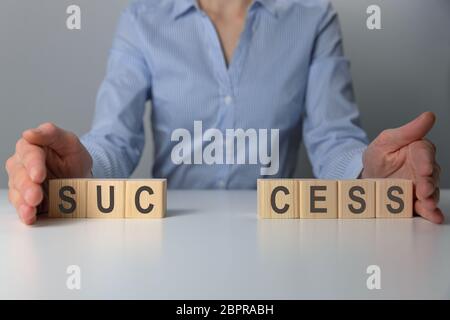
(67,198)
(394,198)
(356,199)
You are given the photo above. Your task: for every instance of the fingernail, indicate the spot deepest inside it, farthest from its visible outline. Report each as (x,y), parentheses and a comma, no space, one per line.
(36,130)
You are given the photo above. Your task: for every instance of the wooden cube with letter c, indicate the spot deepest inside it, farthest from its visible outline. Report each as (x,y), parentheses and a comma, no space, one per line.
(278,198)
(356,199)
(318,199)
(67,198)
(394,198)
(146,199)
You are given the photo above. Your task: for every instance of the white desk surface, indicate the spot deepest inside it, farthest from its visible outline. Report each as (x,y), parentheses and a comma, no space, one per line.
(213,246)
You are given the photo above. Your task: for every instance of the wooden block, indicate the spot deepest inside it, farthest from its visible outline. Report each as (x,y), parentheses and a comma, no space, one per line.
(356,199)
(106,199)
(146,199)
(394,198)
(277,198)
(67,198)
(318,199)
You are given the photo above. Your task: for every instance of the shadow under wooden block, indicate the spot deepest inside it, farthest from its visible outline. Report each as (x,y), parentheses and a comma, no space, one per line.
(318,199)
(106,199)
(278,198)
(67,198)
(146,199)
(394,198)
(356,199)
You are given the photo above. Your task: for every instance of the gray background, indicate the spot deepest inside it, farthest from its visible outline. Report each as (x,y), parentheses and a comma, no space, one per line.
(48,73)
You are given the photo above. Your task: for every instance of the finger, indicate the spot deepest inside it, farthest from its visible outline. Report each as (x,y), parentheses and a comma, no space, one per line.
(30,191)
(33,159)
(26,213)
(422,155)
(429,203)
(49,135)
(431,144)
(15,198)
(437,173)
(10,164)
(432,201)
(425,187)
(434,215)
(437,195)
(394,139)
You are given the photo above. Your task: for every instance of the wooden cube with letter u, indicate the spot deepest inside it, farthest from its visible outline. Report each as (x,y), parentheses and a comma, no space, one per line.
(278,198)
(146,199)
(106,199)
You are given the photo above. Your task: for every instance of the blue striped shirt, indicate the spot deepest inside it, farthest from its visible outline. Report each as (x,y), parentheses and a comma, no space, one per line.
(288,72)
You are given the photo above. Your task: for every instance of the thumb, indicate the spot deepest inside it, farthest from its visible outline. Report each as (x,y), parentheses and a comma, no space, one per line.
(49,135)
(394,139)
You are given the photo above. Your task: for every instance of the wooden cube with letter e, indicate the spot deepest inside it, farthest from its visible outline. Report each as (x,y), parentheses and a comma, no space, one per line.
(318,199)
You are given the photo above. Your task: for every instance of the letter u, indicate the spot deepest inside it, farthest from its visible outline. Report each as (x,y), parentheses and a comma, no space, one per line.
(111,200)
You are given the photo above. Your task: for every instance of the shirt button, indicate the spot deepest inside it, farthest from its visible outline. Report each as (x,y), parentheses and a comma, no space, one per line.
(228,100)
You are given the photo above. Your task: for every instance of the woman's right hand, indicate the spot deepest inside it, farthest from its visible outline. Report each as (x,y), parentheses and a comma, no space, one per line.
(43,153)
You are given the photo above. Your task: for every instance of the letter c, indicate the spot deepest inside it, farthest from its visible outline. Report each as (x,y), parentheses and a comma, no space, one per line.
(137,201)
(273,198)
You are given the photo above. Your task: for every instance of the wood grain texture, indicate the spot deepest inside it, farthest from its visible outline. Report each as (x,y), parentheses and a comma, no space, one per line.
(394,198)
(106,199)
(67,198)
(277,198)
(146,198)
(356,199)
(318,199)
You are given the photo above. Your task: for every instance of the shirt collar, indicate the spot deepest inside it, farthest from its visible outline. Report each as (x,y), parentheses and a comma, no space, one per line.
(182,6)
(269,5)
